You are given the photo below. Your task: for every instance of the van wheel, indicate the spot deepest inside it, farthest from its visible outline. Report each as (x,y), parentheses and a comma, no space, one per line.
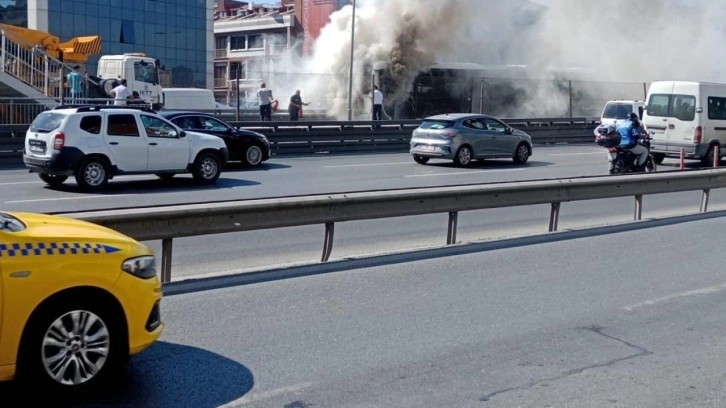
(71,345)
(92,174)
(207,168)
(658,158)
(52,179)
(708,160)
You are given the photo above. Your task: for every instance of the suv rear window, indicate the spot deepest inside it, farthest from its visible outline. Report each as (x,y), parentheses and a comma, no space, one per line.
(436,124)
(47,122)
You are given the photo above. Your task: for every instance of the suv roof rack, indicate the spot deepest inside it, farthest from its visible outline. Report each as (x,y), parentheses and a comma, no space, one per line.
(96,108)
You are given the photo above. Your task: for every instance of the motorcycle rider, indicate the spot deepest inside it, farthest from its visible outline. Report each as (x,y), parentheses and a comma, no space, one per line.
(630,131)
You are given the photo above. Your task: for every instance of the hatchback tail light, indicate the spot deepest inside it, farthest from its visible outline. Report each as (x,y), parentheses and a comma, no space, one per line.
(450,133)
(698,135)
(59,141)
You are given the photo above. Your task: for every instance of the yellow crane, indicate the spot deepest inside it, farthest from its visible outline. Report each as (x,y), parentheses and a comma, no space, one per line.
(77,49)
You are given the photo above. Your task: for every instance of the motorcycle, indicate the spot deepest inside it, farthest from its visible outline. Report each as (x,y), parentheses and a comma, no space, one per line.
(623,161)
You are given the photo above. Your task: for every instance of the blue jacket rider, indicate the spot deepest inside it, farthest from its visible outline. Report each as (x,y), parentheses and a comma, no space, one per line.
(629,131)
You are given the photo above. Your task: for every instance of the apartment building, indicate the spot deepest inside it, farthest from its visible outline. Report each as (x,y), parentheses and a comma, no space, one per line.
(254,40)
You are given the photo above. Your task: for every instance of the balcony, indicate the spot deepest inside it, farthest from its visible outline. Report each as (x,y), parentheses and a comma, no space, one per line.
(221,53)
(266,23)
(221,83)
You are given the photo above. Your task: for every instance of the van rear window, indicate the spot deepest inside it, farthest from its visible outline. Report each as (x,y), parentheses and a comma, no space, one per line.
(436,124)
(681,107)
(47,122)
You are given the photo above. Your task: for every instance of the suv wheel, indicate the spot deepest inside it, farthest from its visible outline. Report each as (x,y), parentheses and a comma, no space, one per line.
(52,179)
(92,174)
(207,168)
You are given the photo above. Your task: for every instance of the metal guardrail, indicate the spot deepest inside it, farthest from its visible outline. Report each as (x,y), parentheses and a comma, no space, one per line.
(175,221)
(320,136)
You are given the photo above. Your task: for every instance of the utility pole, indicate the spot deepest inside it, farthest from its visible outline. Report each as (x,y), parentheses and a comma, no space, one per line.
(350,74)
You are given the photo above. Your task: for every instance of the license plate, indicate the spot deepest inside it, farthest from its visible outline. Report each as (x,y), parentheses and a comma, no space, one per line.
(427,148)
(36,146)
(612,156)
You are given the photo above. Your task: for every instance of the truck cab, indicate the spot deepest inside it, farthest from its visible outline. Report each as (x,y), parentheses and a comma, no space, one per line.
(141,74)
(616,111)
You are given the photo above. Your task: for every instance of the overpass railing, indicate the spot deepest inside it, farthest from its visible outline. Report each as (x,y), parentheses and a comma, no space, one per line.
(167,223)
(325,136)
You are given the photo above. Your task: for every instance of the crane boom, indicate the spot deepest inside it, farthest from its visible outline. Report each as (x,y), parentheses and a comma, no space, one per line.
(77,49)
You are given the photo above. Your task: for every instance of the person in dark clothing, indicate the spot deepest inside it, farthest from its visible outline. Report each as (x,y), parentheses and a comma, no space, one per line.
(295,106)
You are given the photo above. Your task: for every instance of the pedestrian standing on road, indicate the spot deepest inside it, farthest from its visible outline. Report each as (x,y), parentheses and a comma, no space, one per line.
(377,103)
(295,106)
(75,82)
(264,96)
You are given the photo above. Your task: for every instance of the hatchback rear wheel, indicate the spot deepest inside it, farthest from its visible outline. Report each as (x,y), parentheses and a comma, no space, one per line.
(420,159)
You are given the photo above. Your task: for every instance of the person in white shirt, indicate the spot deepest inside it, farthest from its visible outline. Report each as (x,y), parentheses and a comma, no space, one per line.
(264,95)
(377,103)
(120,93)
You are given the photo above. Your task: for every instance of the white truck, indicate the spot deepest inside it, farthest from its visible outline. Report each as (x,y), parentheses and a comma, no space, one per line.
(142,76)
(616,111)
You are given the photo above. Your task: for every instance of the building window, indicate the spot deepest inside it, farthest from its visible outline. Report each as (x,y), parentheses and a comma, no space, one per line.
(221,43)
(127,32)
(238,42)
(234,66)
(256,41)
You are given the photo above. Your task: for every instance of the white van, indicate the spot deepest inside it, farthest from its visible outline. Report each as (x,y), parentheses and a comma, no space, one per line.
(686,115)
(188,99)
(616,111)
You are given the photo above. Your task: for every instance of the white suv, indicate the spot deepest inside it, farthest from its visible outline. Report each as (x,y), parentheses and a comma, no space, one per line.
(95,143)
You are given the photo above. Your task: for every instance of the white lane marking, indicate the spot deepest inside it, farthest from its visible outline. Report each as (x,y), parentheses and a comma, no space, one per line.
(259,396)
(576,154)
(20,182)
(368,164)
(65,198)
(697,292)
(459,173)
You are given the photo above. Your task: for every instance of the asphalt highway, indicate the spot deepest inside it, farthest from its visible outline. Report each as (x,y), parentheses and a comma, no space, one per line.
(629,319)
(290,176)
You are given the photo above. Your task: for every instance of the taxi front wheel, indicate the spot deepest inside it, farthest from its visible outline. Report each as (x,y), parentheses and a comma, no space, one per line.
(71,345)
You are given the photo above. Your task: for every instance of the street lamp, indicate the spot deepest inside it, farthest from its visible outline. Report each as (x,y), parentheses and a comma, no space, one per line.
(350,74)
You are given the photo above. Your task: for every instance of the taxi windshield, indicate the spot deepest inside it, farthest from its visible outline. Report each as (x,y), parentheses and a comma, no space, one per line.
(9,223)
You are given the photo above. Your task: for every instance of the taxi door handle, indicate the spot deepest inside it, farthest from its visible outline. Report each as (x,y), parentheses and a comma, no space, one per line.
(113,143)
(671,126)
(152,144)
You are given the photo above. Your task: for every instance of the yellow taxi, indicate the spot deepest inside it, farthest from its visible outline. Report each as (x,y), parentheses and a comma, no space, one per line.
(76,300)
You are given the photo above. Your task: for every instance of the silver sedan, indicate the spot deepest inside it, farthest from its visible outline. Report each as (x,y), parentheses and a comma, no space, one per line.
(463,137)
